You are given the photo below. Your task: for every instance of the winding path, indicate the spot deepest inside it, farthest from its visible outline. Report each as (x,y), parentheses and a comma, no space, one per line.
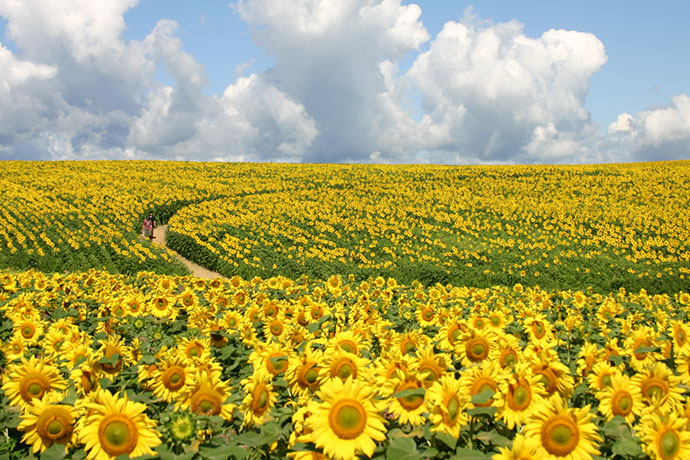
(197,270)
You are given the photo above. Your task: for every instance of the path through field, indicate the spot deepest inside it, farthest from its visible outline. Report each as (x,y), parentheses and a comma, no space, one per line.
(197,270)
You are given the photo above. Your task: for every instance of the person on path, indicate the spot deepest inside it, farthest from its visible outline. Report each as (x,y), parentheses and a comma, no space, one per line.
(147,228)
(153,222)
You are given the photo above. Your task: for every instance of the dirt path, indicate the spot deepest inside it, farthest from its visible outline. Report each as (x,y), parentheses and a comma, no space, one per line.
(197,270)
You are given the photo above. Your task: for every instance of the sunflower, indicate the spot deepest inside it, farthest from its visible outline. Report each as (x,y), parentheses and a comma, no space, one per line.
(171,377)
(116,426)
(539,330)
(347,422)
(31,379)
(409,408)
(555,376)
(303,371)
(162,305)
(600,377)
(431,366)
(475,347)
(666,438)
(682,362)
(641,338)
(259,398)
(446,404)
(343,365)
(115,350)
(207,395)
(14,349)
(522,449)
(276,328)
(196,348)
(507,351)
(426,314)
(187,299)
(348,341)
(411,340)
(521,394)
(562,432)
(588,356)
(681,335)
(620,398)
(659,388)
(486,376)
(271,357)
(29,330)
(86,375)
(45,423)
(449,335)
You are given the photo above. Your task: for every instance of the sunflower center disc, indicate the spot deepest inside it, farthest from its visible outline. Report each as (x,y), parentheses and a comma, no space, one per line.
(478,351)
(263,398)
(350,421)
(453,406)
(623,403)
(116,434)
(606,380)
(348,347)
(344,371)
(669,445)
(560,436)
(55,428)
(27,332)
(35,389)
(521,395)
(311,375)
(206,406)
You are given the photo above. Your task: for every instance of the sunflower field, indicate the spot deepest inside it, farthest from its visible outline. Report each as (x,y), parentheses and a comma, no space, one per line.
(559,227)
(363,311)
(104,366)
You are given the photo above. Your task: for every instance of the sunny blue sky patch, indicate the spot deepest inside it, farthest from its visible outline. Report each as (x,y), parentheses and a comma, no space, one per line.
(345,80)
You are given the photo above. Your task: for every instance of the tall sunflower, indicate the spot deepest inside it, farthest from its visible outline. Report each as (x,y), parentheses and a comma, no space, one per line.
(620,398)
(563,432)
(446,403)
(659,388)
(521,394)
(208,395)
(171,377)
(407,409)
(45,423)
(117,426)
(522,449)
(666,438)
(303,371)
(347,421)
(259,397)
(31,379)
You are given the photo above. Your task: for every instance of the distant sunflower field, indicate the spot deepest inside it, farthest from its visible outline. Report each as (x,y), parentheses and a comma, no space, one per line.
(366,311)
(102,366)
(559,227)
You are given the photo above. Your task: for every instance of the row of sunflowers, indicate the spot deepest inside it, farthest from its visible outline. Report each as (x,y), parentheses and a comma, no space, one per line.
(561,227)
(102,366)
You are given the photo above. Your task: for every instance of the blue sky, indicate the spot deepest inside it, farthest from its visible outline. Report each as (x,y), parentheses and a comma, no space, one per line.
(211,80)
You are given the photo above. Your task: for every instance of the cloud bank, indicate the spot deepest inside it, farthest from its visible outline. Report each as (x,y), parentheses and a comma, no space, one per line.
(342,89)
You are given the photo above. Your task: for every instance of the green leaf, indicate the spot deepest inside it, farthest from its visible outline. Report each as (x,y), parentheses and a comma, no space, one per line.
(493,438)
(470,454)
(447,439)
(402,449)
(478,411)
(54,452)
(410,392)
(223,452)
(627,447)
(483,397)
(647,350)
(616,360)
(616,427)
